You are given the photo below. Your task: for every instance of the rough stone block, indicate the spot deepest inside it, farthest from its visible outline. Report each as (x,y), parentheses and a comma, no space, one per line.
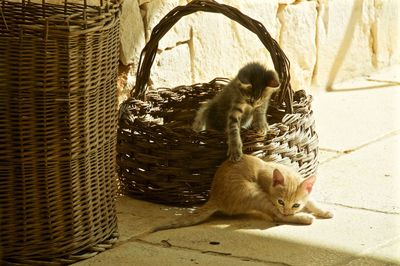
(213,48)
(249,47)
(286,1)
(132,33)
(262,11)
(223,49)
(172,67)
(155,10)
(386,32)
(344,40)
(297,40)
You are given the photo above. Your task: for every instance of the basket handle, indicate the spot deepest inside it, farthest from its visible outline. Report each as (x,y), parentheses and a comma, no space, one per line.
(147,56)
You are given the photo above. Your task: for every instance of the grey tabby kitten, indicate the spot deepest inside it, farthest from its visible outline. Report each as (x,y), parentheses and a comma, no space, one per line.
(243,102)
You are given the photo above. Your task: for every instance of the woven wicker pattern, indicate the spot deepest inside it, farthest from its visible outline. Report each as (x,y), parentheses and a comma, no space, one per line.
(161,159)
(58,113)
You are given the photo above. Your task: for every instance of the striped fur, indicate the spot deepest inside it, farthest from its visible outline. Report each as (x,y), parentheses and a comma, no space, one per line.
(243,102)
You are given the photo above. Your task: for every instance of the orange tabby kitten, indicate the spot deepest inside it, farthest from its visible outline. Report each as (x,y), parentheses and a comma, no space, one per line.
(254,185)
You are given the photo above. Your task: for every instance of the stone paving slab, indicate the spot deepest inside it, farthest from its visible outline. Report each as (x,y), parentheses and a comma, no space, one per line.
(346,238)
(144,254)
(348,120)
(367,178)
(136,216)
(389,74)
(325,155)
(326,242)
(386,254)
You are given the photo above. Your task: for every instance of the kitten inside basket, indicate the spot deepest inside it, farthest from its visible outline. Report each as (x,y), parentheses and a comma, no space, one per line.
(241,103)
(269,188)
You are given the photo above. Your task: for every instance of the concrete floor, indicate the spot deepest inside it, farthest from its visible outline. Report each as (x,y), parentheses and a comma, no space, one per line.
(359,179)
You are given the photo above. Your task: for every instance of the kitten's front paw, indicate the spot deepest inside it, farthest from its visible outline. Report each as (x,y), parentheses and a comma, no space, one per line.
(235,155)
(304,218)
(325,215)
(298,218)
(261,128)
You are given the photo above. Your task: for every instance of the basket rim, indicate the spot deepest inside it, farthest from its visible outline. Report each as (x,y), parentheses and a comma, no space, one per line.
(85,19)
(125,112)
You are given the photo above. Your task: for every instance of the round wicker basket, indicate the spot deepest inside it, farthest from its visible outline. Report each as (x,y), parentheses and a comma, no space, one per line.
(58,118)
(162,160)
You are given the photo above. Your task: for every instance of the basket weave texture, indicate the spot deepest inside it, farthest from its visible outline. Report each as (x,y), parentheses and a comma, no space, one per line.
(161,159)
(58,113)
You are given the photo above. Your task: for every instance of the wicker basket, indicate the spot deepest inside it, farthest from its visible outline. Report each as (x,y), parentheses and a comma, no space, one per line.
(58,116)
(161,159)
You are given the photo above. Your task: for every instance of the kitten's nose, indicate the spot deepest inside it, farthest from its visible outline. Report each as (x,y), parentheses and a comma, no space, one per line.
(286,212)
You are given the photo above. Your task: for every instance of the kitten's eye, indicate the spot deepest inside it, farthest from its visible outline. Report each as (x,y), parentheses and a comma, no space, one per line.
(296,205)
(281,202)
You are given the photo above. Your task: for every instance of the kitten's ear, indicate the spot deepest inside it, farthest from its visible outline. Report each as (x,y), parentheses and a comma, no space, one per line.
(308,183)
(277,178)
(274,80)
(273,83)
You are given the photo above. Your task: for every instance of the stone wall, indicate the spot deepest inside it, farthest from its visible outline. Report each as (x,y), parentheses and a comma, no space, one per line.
(324,39)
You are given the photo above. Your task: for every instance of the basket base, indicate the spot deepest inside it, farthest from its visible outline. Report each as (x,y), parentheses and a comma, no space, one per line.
(67,260)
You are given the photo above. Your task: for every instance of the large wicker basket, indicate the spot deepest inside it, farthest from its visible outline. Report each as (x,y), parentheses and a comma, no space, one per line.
(161,159)
(58,114)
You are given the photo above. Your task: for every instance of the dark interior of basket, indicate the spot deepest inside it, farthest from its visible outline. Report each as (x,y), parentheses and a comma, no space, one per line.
(175,108)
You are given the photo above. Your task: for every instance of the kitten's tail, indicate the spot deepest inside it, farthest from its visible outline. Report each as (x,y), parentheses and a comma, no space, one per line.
(196,217)
(199,123)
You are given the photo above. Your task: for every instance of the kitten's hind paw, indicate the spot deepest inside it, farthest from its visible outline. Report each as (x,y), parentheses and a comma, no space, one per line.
(197,127)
